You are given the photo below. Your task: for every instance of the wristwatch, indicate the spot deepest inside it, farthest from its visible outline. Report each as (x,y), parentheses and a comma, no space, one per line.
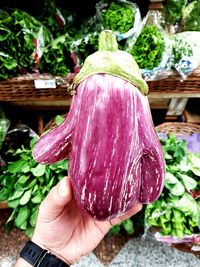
(39,257)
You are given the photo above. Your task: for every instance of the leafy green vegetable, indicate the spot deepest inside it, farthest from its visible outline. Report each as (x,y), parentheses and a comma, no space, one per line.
(176,212)
(58,20)
(22,41)
(118,17)
(191,19)
(86,45)
(8,66)
(24,184)
(57,57)
(149,47)
(185,48)
(173,10)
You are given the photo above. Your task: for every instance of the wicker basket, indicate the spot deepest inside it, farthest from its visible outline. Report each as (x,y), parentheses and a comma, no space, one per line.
(23,89)
(178,128)
(173,83)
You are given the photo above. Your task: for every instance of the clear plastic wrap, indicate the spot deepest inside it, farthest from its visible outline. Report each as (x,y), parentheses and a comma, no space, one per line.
(4,126)
(151,47)
(185,56)
(121,16)
(24,38)
(85,45)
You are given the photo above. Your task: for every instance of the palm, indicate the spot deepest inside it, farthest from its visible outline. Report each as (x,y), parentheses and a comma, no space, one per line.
(67,231)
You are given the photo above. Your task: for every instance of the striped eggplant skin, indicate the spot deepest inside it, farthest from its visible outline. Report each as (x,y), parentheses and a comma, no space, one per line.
(115,157)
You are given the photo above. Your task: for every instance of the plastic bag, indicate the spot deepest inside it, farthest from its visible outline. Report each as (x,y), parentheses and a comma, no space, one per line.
(85,45)
(152,46)
(24,38)
(185,56)
(58,20)
(121,16)
(17,136)
(4,126)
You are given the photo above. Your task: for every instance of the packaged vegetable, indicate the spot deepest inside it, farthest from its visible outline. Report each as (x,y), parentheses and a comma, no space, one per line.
(152,47)
(121,16)
(115,157)
(185,52)
(24,38)
(56,58)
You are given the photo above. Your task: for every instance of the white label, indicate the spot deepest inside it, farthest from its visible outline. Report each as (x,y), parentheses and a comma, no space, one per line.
(41,84)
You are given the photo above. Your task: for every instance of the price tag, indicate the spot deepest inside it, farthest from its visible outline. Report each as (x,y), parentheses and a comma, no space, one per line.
(41,84)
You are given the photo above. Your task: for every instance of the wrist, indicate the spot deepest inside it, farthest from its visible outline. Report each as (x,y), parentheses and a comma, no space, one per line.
(44,246)
(22,263)
(34,255)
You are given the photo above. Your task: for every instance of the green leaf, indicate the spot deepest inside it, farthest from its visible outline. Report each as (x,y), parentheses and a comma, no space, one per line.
(11,221)
(174,185)
(196,171)
(23,179)
(59,119)
(4,194)
(13,203)
(22,217)
(16,195)
(39,170)
(25,198)
(38,198)
(33,218)
(188,182)
(128,226)
(29,232)
(115,229)
(17,166)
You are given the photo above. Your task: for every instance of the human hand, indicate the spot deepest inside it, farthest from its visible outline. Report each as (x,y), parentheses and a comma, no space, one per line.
(65,230)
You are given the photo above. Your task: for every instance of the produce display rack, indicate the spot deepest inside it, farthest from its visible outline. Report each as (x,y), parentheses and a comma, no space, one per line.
(22,88)
(169,92)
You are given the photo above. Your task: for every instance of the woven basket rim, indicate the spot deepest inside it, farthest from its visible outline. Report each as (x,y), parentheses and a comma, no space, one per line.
(178,128)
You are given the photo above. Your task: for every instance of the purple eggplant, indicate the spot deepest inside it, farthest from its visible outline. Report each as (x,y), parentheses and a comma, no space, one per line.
(115,157)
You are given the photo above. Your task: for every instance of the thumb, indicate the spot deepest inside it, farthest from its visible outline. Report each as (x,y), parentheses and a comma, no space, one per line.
(54,203)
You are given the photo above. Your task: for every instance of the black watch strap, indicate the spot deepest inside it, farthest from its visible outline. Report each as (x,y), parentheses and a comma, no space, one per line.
(39,257)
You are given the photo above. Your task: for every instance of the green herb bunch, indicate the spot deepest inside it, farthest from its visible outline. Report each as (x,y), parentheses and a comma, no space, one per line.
(149,47)
(22,40)
(24,184)
(191,19)
(176,212)
(118,17)
(56,58)
(8,66)
(86,45)
(173,10)
(181,48)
